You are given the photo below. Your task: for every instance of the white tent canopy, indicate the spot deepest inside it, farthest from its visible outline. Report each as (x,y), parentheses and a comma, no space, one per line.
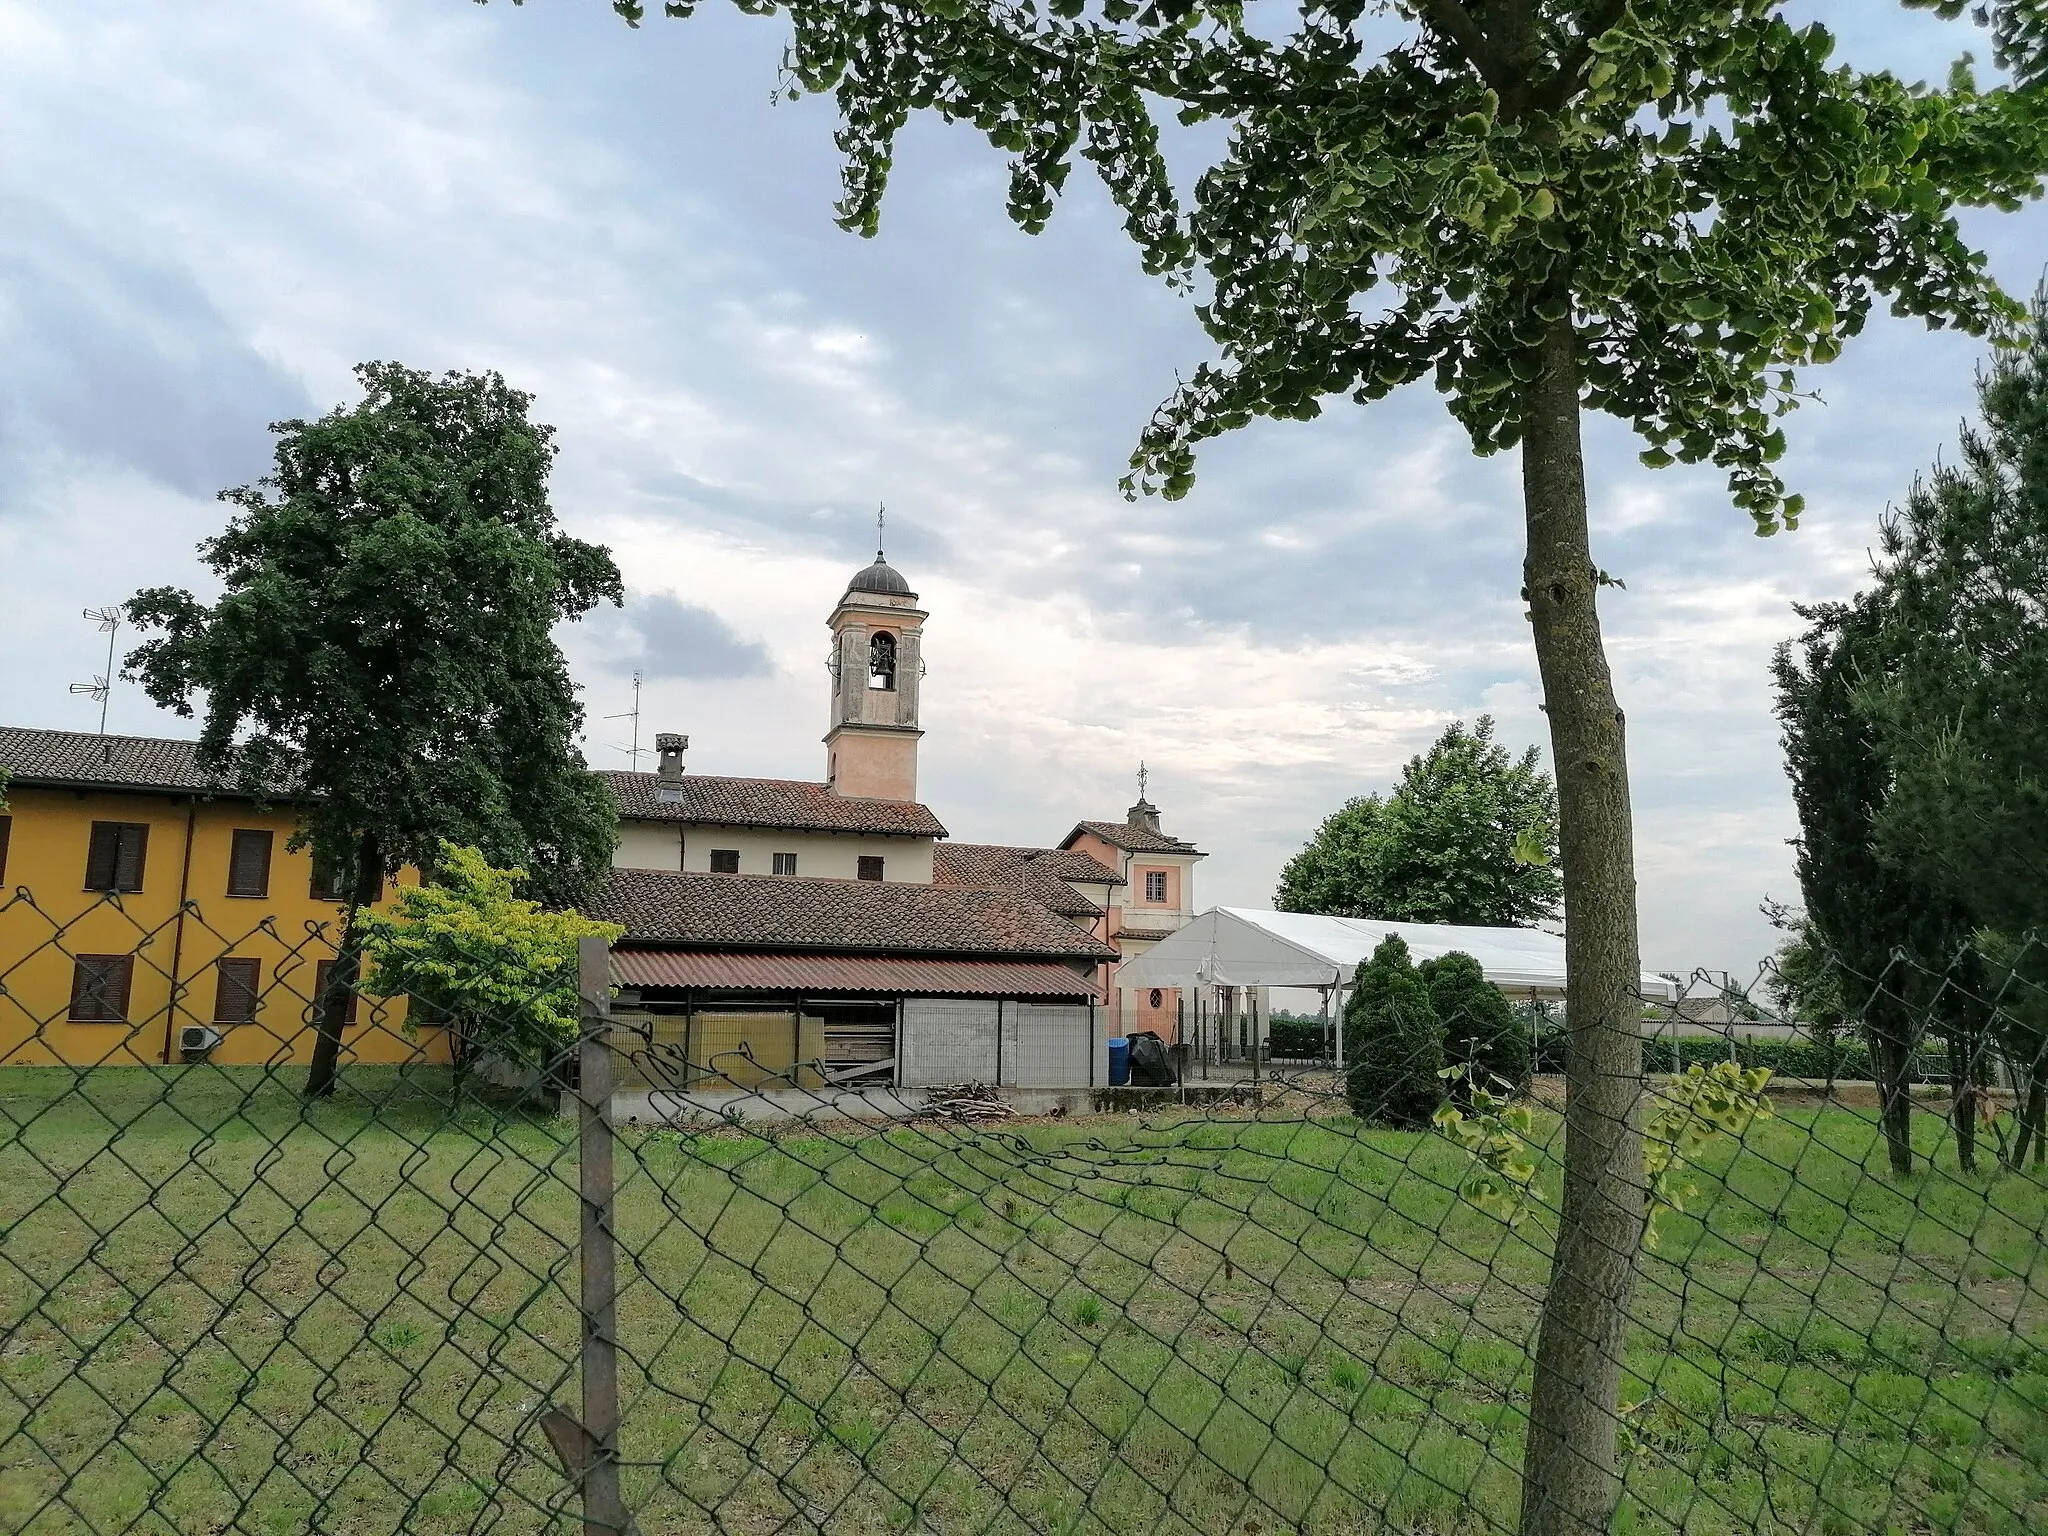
(1247,947)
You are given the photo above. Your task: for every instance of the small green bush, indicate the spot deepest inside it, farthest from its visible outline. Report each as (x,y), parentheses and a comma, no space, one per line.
(1480,1026)
(1393,1041)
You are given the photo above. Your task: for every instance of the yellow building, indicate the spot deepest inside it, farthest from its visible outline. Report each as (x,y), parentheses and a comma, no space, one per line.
(149,916)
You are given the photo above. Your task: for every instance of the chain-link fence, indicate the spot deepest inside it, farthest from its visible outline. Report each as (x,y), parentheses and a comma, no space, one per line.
(458,1298)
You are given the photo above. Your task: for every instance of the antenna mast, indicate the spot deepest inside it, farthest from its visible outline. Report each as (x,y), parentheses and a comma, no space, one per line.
(633,714)
(101,689)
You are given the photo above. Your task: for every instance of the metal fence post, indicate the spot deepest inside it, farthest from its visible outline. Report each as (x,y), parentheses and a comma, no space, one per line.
(604,1510)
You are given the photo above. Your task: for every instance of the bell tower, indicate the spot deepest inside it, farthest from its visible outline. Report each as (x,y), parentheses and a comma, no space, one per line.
(877,632)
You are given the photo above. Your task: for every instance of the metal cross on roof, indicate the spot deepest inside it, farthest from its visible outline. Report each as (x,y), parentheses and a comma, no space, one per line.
(881,517)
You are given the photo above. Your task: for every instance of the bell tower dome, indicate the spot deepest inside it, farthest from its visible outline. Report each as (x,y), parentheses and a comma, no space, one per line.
(877,632)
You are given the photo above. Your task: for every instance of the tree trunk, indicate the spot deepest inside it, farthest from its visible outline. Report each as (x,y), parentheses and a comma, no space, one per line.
(1891,1059)
(336,1001)
(1570,1482)
(1962,1090)
(2032,1110)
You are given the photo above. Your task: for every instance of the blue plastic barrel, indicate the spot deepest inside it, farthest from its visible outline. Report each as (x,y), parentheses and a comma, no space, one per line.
(1119,1061)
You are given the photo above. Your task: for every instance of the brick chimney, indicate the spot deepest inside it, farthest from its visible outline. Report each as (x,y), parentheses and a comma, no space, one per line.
(669,777)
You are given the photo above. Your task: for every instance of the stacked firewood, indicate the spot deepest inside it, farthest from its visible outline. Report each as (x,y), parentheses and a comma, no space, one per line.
(967,1101)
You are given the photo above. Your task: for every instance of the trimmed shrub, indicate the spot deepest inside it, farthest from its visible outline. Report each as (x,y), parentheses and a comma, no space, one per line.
(1479,1024)
(1297,1037)
(1393,1041)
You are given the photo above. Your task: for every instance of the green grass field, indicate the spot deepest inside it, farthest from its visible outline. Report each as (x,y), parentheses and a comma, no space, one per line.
(221,1313)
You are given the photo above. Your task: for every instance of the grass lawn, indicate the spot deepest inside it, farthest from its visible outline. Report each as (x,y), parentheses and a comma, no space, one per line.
(221,1312)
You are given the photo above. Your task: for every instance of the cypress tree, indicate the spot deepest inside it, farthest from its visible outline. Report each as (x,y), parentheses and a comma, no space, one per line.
(1479,1024)
(1393,1040)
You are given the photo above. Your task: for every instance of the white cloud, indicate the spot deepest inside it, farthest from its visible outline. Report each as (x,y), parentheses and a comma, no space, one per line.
(621,223)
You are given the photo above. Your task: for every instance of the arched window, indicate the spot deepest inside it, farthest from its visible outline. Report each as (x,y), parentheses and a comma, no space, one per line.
(882,660)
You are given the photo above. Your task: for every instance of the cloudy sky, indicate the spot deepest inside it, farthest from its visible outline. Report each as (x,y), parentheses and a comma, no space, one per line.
(210,210)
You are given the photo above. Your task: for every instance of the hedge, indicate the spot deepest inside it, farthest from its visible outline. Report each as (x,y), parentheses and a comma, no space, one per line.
(1785,1058)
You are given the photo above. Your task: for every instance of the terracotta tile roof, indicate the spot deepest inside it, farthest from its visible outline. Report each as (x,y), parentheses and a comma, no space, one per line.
(1039,873)
(863,916)
(118,762)
(793,803)
(848,974)
(1121,834)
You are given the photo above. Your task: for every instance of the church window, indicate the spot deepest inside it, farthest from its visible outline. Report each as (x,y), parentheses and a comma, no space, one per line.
(785,863)
(869,866)
(1155,885)
(1156,998)
(882,660)
(725,861)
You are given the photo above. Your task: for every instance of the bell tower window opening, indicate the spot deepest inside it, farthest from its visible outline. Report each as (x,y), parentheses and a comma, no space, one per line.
(882,660)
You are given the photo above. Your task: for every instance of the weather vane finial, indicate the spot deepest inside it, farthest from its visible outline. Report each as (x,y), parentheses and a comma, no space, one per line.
(881,517)
(1142,776)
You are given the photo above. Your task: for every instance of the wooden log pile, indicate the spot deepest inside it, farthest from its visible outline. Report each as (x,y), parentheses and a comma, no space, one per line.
(967,1101)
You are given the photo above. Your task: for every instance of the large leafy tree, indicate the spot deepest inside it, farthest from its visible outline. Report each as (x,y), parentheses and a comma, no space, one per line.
(1888,934)
(1469,835)
(384,644)
(1656,208)
(1962,714)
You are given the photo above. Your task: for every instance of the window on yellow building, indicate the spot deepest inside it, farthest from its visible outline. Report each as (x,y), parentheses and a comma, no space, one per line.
(329,884)
(99,988)
(6,827)
(321,972)
(236,992)
(249,863)
(116,855)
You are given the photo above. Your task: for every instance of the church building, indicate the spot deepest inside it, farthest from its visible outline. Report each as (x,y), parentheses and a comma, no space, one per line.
(772,922)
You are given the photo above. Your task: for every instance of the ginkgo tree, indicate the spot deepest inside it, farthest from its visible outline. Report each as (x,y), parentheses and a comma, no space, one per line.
(1659,209)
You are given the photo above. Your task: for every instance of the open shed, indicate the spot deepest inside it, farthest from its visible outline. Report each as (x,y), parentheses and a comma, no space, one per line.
(1251,947)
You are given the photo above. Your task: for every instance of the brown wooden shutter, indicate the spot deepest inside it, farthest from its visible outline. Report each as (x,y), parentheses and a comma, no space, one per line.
(99,988)
(134,854)
(114,861)
(103,857)
(239,986)
(6,831)
(249,863)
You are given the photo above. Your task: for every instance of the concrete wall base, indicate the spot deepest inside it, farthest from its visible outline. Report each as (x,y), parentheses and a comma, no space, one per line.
(729,1106)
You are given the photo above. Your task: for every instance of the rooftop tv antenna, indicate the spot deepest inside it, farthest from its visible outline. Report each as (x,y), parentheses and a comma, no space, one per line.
(101,689)
(633,752)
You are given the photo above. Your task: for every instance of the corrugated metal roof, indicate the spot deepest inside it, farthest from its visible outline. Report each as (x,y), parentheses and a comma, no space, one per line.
(846,973)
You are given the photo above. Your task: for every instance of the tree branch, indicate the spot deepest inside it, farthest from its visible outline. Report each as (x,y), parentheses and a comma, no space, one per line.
(1570,76)
(1456,23)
